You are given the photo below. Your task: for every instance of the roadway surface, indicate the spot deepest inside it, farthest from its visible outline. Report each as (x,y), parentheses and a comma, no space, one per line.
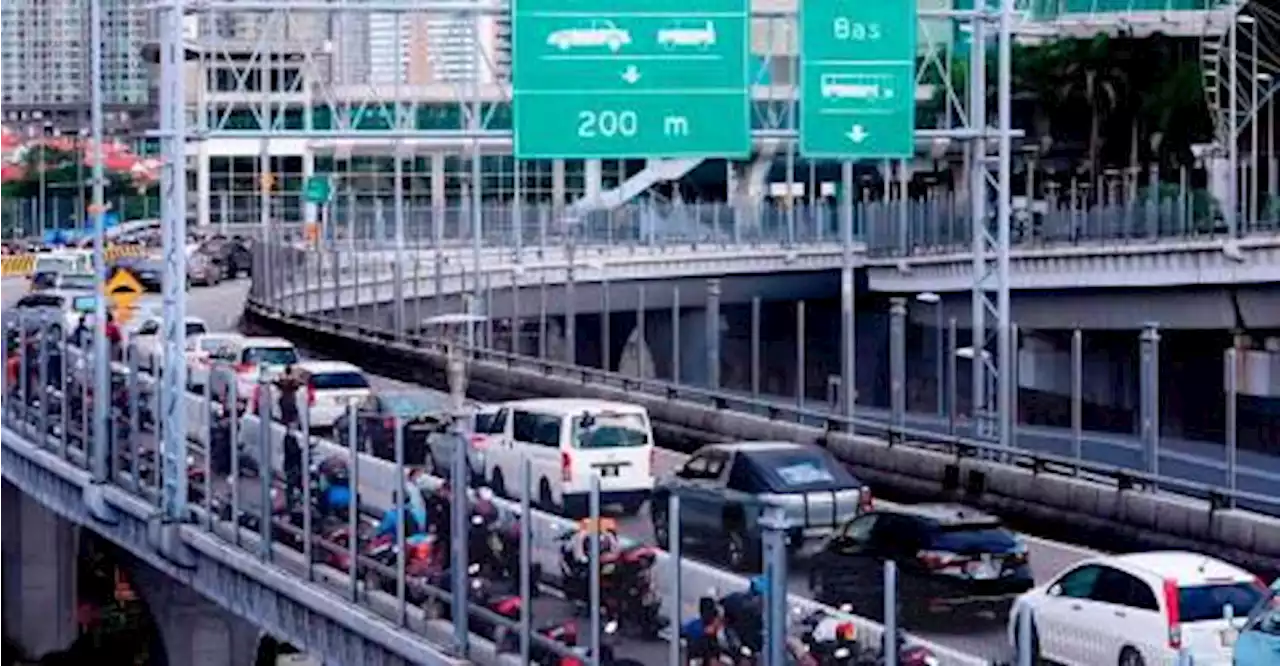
(220,306)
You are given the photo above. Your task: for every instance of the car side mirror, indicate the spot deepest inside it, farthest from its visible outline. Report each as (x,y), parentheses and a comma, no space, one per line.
(1055,591)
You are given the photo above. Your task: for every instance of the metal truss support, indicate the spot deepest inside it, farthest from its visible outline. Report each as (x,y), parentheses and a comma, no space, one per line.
(173,224)
(992,344)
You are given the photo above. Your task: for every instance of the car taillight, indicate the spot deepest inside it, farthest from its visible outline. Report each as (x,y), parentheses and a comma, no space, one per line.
(477,441)
(244,367)
(566,468)
(311,395)
(1173,616)
(866,500)
(387,423)
(253,399)
(935,559)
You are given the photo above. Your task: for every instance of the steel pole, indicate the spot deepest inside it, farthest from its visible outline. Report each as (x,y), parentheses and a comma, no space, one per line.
(101,361)
(713,334)
(848,297)
(1232,424)
(1231,207)
(1149,388)
(1004,338)
(173,130)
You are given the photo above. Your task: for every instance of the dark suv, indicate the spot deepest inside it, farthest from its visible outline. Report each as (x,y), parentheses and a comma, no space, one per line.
(949,557)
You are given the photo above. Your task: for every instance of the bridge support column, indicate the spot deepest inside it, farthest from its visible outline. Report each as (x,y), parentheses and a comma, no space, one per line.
(194,630)
(40,552)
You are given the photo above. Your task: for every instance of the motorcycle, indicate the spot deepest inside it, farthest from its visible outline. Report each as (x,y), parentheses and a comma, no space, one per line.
(832,641)
(421,568)
(626,587)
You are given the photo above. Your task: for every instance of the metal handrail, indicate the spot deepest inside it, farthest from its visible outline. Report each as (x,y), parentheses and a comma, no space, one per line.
(959,445)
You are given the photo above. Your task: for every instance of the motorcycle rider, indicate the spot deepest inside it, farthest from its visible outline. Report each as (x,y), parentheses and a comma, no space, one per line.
(334,486)
(704,634)
(744,612)
(578,549)
(413,513)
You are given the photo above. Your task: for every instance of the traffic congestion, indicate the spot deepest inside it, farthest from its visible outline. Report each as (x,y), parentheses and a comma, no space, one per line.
(964,579)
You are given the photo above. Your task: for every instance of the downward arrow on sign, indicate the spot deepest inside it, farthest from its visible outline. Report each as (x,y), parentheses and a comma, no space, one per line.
(857,134)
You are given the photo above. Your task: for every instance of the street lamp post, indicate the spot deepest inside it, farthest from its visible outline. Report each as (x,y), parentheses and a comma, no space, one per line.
(939,367)
(456,331)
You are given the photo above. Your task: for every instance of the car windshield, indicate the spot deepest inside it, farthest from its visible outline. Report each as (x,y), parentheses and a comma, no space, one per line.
(1202,603)
(211,344)
(47,264)
(196,328)
(409,405)
(799,469)
(271,355)
(963,538)
(338,380)
(77,281)
(611,430)
(1265,617)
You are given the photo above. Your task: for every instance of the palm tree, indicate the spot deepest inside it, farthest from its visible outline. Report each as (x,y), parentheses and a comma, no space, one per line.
(1088,73)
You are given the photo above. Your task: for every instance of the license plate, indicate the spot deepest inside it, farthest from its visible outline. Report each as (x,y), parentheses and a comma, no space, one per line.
(609,470)
(985,570)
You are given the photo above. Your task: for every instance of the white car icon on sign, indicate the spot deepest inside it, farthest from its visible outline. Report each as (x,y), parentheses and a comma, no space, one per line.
(598,33)
(700,37)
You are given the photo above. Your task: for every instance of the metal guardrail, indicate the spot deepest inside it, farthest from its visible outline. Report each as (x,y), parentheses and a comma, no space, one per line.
(376,478)
(960,446)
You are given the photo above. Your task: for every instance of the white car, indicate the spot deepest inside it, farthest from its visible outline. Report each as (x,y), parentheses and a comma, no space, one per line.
(244,362)
(598,33)
(200,352)
(146,341)
(328,387)
(1140,609)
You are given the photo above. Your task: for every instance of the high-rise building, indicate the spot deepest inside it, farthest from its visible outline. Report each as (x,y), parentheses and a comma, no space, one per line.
(46,55)
(418,49)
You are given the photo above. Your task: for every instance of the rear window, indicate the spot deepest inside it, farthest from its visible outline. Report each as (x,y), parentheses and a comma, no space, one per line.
(270,355)
(212,345)
(196,328)
(86,282)
(609,431)
(1209,602)
(986,537)
(39,301)
(84,303)
(413,404)
(339,380)
(797,470)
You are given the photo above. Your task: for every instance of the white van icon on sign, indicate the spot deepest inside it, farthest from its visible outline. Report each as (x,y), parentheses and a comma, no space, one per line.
(701,37)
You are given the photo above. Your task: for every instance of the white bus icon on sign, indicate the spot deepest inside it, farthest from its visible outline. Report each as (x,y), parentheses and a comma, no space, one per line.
(868,88)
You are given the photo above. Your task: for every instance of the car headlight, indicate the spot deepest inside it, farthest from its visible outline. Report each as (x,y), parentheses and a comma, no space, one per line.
(473,569)
(841,653)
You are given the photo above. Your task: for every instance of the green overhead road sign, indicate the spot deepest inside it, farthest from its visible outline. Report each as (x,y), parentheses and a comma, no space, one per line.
(631,78)
(317,190)
(858,83)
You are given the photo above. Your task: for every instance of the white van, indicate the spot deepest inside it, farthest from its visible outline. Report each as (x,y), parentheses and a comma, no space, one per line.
(568,441)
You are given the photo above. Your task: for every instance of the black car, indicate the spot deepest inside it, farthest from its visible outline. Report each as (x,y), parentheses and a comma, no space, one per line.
(149,273)
(232,255)
(724,489)
(422,414)
(949,557)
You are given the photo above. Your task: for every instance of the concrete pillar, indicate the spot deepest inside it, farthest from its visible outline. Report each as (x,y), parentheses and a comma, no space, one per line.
(310,211)
(194,630)
(557,185)
(437,197)
(593,179)
(40,552)
(204,183)
(637,357)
